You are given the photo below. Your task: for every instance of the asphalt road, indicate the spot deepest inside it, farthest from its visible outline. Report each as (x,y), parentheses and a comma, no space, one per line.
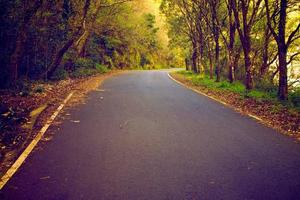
(146,137)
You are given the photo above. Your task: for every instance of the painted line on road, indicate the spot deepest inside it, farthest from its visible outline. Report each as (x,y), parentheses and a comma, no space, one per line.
(13,169)
(217,100)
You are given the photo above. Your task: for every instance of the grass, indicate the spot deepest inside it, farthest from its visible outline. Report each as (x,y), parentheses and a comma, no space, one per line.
(203,80)
(238,87)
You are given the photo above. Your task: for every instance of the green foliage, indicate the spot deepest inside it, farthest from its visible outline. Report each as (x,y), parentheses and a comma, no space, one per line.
(82,72)
(84,62)
(201,80)
(60,74)
(294,97)
(257,94)
(101,68)
(266,85)
(263,91)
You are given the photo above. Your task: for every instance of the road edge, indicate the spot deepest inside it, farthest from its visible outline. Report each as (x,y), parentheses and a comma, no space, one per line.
(215,99)
(17,164)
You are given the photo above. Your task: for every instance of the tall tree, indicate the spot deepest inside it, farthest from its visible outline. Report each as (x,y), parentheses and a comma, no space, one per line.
(245,17)
(21,39)
(77,33)
(283,43)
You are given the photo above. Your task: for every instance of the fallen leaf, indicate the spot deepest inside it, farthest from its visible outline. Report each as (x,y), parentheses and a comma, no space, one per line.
(45,177)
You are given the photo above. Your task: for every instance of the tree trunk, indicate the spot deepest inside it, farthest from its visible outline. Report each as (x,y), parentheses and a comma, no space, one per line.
(282,53)
(186,60)
(211,68)
(231,68)
(265,56)
(17,54)
(75,37)
(283,80)
(216,33)
(247,59)
(236,60)
(58,58)
(232,28)
(194,57)
(20,41)
(217,56)
(81,42)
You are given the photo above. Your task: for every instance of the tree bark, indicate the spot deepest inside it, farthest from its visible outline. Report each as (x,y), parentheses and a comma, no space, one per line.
(186,60)
(58,58)
(283,80)
(247,61)
(80,47)
(232,28)
(20,41)
(194,57)
(282,53)
(282,45)
(244,33)
(76,35)
(265,56)
(216,33)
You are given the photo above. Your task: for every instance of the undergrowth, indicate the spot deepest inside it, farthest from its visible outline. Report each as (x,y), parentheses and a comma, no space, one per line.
(259,93)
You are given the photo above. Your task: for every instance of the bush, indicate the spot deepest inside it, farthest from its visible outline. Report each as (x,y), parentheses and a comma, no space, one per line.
(60,74)
(82,72)
(266,86)
(22,87)
(84,62)
(39,89)
(101,68)
(295,98)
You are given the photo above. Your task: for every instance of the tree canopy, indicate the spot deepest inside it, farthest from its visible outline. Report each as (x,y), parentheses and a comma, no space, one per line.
(42,38)
(256,41)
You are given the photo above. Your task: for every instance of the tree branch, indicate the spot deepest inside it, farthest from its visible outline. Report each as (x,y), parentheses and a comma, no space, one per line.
(291,37)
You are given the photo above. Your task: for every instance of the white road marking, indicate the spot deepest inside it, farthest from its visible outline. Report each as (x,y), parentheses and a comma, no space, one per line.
(12,170)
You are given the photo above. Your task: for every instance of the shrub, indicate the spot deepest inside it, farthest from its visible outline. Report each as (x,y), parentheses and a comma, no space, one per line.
(82,72)
(84,62)
(22,87)
(39,89)
(295,98)
(266,85)
(101,68)
(237,87)
(60,74)
(224,84)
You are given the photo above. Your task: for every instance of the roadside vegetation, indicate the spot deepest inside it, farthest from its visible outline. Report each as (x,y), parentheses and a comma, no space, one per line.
(244,52)
(261,101)
(253,42)
(259,93)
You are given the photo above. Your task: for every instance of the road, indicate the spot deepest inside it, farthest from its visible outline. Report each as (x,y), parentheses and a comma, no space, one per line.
(146,137)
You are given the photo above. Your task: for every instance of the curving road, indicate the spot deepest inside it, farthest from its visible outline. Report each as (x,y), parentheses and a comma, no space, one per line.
(146,137)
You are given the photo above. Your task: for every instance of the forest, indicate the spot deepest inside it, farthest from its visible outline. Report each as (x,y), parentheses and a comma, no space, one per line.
(253,41)
(48,40)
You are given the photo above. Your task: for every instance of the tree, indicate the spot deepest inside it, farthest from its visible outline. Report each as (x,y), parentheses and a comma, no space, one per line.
(21,39)
(244,24)
(282,41)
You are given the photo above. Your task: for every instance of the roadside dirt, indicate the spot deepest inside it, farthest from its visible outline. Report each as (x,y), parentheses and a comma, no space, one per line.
(274,116)
(23,116)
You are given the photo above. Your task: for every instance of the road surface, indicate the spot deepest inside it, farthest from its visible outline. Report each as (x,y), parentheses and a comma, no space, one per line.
(146,137)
